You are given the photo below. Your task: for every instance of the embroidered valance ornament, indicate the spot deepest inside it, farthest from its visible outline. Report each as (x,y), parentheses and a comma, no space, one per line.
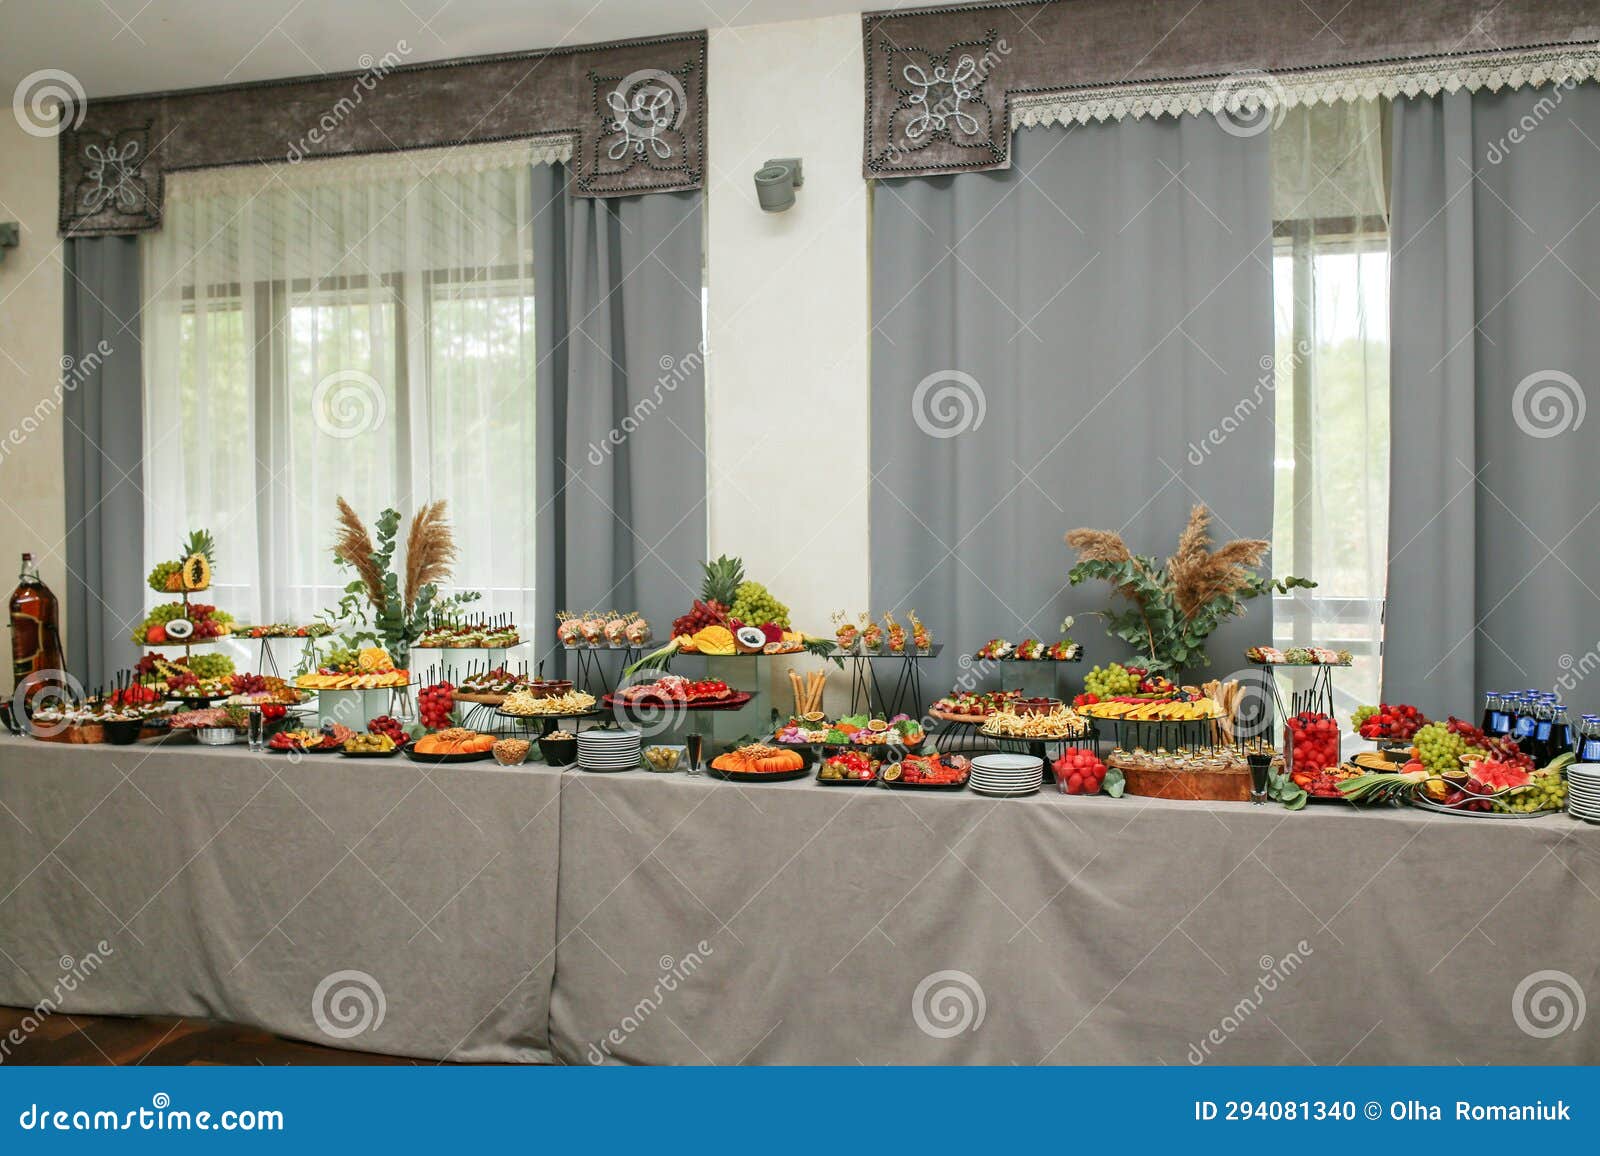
(945,87)
(626,117)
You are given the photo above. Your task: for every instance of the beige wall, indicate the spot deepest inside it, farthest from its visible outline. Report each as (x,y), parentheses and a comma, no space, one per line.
(32,501)
(789,321)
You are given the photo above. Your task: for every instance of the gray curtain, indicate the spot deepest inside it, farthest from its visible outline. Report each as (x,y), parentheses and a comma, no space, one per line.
(1050,345)
(621,415)
(103,432)
(1495,272)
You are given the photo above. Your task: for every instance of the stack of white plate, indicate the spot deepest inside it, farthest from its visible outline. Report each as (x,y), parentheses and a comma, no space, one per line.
(609,750)
(1583,791)
(1006,774)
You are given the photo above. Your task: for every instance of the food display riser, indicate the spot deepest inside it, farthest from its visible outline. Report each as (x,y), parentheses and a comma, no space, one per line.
(356,708)
(453,664)
(749,672)
(283,657)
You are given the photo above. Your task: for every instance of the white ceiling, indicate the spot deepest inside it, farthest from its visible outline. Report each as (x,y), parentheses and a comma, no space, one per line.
(120,46)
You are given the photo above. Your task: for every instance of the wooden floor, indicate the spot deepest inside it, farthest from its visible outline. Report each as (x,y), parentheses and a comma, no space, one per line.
(103,1040)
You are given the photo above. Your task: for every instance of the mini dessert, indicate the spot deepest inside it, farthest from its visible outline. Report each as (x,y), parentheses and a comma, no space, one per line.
(920,638)
(638,632)
(896,634)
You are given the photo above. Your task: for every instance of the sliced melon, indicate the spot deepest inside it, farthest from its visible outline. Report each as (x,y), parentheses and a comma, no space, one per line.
(180,629)
(749,639)
(373,660)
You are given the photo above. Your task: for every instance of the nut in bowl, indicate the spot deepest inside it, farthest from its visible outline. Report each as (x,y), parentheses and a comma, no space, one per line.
(511,752)
(559,748)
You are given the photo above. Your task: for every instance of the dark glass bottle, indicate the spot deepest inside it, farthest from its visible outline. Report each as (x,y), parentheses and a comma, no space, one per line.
(35,625)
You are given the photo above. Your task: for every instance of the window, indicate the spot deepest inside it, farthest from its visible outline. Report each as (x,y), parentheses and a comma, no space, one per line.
(356,330)
(1331,395)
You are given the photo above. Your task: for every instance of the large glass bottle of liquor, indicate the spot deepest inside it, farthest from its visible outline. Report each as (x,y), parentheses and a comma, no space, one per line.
(35,625)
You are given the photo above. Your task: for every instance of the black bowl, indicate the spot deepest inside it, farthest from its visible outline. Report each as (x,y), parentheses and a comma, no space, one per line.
(559,752)
(123,732)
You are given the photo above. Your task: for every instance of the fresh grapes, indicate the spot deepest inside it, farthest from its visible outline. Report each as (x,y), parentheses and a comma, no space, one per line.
(1439,749)
(209,665)
(1113,680)
(754,605)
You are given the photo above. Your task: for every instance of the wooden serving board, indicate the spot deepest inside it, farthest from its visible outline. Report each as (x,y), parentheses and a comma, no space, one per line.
(1210,786)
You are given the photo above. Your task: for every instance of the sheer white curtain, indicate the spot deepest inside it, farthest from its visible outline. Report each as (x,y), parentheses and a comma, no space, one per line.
(360,328)
(1331,379)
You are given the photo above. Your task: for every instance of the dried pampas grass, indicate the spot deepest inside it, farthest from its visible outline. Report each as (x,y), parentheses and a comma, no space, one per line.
(353,545)
(430,550)
(1195,574)
(1099,546)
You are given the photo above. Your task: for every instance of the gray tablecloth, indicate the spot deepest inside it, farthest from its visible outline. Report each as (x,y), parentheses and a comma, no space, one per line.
(302,896)
(643,918)
(701,922)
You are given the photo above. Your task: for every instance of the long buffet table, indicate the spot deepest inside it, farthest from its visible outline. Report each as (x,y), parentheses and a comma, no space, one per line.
(527,914)
(232,885)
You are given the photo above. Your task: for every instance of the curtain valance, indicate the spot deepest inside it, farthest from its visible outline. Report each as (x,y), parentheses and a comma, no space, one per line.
(945,86)
(629,117)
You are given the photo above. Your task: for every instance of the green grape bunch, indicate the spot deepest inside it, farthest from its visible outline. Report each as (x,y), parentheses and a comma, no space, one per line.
(210,665)
(1111,681)
(1438,749)
(754,604)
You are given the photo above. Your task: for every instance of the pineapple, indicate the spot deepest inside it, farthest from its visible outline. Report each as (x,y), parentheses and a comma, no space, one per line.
(194,572)
(201,542)
(722,580)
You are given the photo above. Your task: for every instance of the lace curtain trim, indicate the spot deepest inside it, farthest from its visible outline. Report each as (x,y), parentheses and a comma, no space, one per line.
(1248,93)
